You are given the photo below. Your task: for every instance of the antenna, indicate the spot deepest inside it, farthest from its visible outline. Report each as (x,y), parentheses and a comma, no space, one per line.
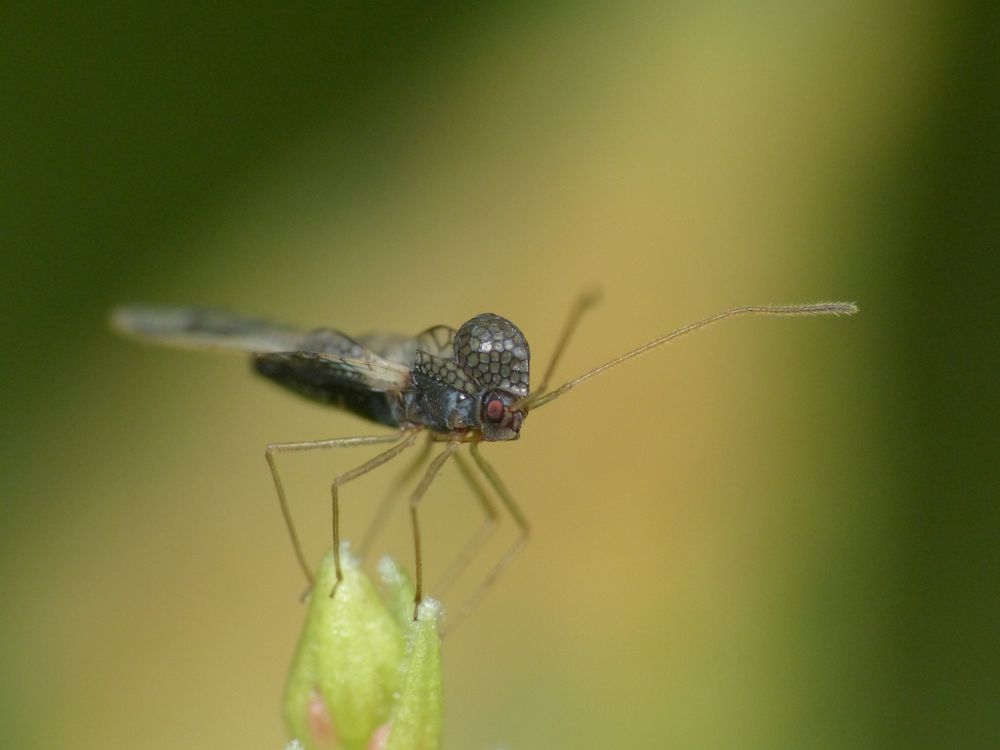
(586,300)
(814,308)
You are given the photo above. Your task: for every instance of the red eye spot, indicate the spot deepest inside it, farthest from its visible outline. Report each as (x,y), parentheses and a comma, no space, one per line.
(494,410)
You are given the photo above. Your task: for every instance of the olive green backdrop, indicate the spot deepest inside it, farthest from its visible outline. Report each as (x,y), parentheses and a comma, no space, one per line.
(777,533)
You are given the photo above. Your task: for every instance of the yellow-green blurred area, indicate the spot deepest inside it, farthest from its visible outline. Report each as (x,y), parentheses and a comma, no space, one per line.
(777,533)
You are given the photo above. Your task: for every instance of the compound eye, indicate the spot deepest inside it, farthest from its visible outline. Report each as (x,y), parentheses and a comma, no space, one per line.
(494,409)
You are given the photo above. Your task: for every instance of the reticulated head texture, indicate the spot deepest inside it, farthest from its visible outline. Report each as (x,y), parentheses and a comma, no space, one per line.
(492,351)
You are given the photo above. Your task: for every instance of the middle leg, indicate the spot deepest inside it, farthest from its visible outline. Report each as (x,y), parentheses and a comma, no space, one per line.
(415,498)
(391,496)
(347,476)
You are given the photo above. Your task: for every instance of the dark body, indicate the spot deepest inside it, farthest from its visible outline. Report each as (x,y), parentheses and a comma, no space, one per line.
(464,384)
(314,380)
(424,401)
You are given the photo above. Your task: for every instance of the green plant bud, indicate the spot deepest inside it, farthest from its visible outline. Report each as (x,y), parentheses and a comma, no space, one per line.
(345,673)
(398,591)
(366,675)
(417,714)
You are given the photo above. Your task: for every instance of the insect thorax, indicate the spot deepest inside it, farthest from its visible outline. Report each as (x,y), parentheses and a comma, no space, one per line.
(439,407)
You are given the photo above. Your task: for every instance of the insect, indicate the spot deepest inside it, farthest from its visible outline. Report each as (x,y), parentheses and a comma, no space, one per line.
(464,386)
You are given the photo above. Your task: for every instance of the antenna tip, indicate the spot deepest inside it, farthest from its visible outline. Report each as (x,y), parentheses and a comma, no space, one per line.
(844,308)
(823,308)
(590,296)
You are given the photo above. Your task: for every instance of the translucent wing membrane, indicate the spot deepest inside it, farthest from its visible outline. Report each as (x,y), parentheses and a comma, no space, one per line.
(323,355)
(438,341)
(206,328)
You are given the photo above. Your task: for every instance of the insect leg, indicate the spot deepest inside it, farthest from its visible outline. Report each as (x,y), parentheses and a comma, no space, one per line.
(275,448)
(482,534)
(418,493)
(523,526)
(389,499)
(347,476)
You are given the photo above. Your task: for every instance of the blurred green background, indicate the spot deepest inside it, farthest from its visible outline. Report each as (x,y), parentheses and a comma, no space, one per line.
(777,533)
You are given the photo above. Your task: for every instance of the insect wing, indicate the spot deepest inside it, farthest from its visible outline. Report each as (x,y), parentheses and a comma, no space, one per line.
(438,341)
(206,328)
(370,372)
